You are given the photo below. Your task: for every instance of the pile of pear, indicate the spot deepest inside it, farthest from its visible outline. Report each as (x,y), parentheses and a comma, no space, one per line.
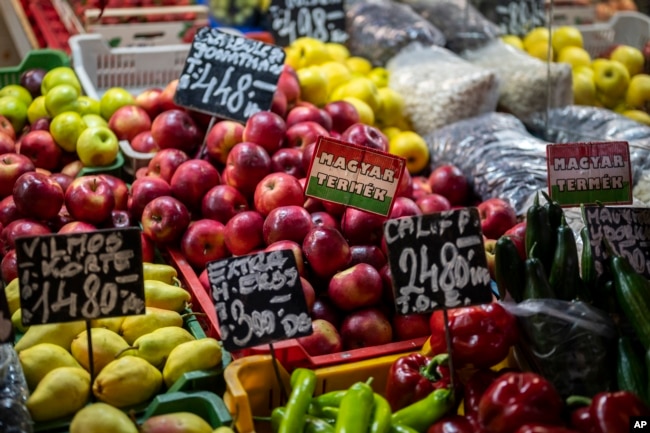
(134,357)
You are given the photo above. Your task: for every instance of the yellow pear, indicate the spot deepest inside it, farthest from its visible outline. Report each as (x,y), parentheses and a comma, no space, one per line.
(201,354)
(42,358)
(61,392)
(106,345)
(60,334)
(12,292)
(162,295)
(112,323)
(177,422)
(127,381)
(17,321)
(155,346)
(102,418)
(133,327)
(159,271)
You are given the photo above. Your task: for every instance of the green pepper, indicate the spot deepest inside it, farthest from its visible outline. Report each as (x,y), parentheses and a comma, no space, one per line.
(510,270)
(539,232)
(565,269)
(356,409)
(277,415)
(312,424)
(631,374)
(303,384)
(537,285)
(329,414)
(381,415)
(555,213)
(329,399)
(399,428)
(423,413)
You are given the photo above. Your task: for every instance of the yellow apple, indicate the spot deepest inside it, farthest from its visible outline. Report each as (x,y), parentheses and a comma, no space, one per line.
(584,90)
(574,56)
(336,73)
(359,65)
(412,147)
(359,87)
(87,105)
(379,76)
(313,85)
(390,131)
(638,92)
(638,115)
(584,70)
(391,106)
(338,52)
(566,36)
(97,146)
(311,51)
(536,35)
(611,78)
(36,109)
(92,120)
(366,114)
(292,57)
(18,91)
(608,101)
(540,50)
(629,56)
(513,40)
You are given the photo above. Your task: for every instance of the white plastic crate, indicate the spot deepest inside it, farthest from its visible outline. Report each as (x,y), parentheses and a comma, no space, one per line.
(626,27)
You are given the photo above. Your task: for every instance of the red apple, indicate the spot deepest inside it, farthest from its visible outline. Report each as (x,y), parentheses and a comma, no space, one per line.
(164,220)
(120,218)
(120,190)
(362,228)
(72,168)
(143,190)
(221,138)
(128,121)
(307,156)
(166,97)
(369,254)
(12,166)
(324,339)
(324,309)
(295,248)
(326,251)
(366,328)
(497,216)
(77,227)
(8,211)
(334,209)
(62,218)
(165,162)
(309,112)
(322,218)
(90,198)
(288,160)
(365,135)
(302,134)
(309,292)
(175,129)
(149,101)
(421,187)
(222,202)
(204,241)
(266,129)
(517,233)
(447,180)
(41,124)
(431,203)
(144,143)
(343,115)
(7,144)
(148,248)
(405,187)
(286,223)
(18,228)
(356,287)
(277,190)
(243,232)
(247,164)
(191,180)
(9,267)
(32,80)
(37,195)
(410,326)
(404,206)
(289,85)
(279,104)
(63,179)
(7,127)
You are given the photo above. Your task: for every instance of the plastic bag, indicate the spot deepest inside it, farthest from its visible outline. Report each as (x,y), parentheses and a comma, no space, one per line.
(379,30)
(463,26)
(495,150)
(572,344)
(524,79)
(440,88)
(14,416)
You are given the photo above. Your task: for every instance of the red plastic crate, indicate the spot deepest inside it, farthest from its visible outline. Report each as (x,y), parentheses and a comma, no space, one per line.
(289,352)
(48,22)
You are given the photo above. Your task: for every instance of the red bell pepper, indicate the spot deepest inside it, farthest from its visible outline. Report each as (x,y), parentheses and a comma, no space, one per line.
(517,399)
(455,424)
(414,376)
(474,388)
(543,428)
(481,335)
(611,411)
(581,420)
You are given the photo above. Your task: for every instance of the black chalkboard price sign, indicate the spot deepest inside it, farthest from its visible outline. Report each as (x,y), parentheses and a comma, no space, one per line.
(437,261)
(288,20)
(258,299)
(628,231)
(80,276)
(229,76)
(6,328)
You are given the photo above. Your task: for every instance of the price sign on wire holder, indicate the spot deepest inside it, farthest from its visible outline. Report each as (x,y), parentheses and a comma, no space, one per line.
(288,20)
(229,76)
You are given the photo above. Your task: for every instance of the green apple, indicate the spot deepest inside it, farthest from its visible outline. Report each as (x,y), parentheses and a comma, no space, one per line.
(66,128)
(611,78)
(358,87)
(584,90)
(87,105)
(61,98)
(313,85)
(112,99)
(631,57)
(18,91)
(638,92)
(97,146)
(15,110)
(60,75)
(37,110)
(93,120)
